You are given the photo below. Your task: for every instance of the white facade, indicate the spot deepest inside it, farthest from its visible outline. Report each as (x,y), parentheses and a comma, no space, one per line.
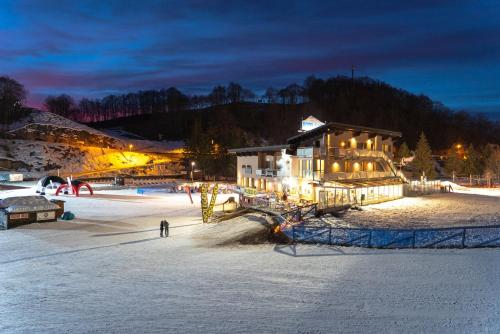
(331,164)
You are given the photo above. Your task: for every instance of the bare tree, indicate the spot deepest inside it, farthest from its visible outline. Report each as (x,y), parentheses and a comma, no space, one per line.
(218,95)
(12,95)
(60,105)
(271,95)
(234,92)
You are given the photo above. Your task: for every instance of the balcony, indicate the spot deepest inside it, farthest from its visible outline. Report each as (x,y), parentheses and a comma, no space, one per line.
(267,172)
(357,175)
(353,153)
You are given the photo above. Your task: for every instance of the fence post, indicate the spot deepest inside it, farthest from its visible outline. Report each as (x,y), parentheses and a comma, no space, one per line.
(463,238)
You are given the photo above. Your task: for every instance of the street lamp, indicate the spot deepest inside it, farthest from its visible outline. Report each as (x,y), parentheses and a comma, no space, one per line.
(192,171)
(130,146)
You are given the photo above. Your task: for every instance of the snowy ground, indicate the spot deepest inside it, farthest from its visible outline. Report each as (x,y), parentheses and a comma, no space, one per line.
(437,210)
(109,272)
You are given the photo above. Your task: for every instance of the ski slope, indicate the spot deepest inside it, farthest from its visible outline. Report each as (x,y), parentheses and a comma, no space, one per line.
(109,272)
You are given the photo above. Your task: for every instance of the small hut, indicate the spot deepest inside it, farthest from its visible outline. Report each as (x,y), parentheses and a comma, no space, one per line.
(20,210)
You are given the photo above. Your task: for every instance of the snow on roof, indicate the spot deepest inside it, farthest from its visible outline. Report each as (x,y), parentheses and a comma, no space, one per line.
(27,204)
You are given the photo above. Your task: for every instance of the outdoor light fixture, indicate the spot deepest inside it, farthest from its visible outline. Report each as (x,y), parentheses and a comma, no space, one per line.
(192,171)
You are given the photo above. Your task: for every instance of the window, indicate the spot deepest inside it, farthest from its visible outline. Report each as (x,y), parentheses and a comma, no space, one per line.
(319,169)
(305,168)
(246,169)
(15,216)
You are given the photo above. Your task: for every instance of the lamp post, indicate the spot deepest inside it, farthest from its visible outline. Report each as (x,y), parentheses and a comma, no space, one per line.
(130,146)
(192,171)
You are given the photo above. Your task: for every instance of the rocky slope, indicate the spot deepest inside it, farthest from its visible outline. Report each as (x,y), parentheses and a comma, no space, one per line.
(44,143)
(51,128)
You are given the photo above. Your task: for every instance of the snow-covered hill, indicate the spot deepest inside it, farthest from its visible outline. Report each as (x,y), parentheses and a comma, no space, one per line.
(52,128)
(44,143)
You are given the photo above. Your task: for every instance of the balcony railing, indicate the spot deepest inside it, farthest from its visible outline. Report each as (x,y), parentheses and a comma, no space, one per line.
(270,172)
(357,175)
(337,152)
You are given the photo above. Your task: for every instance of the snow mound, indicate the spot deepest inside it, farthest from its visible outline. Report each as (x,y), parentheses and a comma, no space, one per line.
(251,228)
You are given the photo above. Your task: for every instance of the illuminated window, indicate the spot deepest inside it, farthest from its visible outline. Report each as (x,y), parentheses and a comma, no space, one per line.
(369,144)
(353,143)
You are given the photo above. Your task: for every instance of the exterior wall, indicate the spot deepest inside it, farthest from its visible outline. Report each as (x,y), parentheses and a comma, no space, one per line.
(387,147)
(258,163)
(245,179)
(338,157)
(351,157)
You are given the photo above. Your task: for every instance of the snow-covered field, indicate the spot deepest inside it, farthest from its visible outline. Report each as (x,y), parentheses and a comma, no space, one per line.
(109,272)
(436,210)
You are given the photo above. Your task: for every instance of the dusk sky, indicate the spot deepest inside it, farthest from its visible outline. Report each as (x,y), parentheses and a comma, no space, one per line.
(448,50)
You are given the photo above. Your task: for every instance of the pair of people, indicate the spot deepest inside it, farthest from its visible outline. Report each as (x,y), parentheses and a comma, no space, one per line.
(164,226)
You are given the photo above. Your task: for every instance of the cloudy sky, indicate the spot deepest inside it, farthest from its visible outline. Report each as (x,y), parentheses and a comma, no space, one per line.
(449,50)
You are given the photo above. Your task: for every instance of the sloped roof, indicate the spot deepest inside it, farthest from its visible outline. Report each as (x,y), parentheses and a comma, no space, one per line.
(247,150)
(27,204)
(341,126)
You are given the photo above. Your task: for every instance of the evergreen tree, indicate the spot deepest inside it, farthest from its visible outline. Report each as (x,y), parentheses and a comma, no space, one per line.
(403,151)
(199,148)
(493,164)
(454,163)
(423,159)
(472,163)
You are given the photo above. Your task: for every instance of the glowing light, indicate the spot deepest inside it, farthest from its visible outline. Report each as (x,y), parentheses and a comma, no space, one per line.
(353,142)
(336,167)
(356,167)
(342,144)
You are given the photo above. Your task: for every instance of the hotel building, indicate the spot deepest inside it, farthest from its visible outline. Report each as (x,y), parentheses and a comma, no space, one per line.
(333,164)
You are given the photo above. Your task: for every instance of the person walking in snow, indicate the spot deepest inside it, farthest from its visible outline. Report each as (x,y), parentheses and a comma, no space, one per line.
(162,226)
(166,225)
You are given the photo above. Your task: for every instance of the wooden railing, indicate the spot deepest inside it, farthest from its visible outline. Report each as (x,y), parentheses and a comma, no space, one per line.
(357,175)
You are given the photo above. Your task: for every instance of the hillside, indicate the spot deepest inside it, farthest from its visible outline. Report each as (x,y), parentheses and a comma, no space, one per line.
(363,101)
(259,122)
(51,128)
(44,143)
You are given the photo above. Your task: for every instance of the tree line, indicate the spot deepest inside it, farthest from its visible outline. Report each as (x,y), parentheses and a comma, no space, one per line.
(163,101)
(460,160)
